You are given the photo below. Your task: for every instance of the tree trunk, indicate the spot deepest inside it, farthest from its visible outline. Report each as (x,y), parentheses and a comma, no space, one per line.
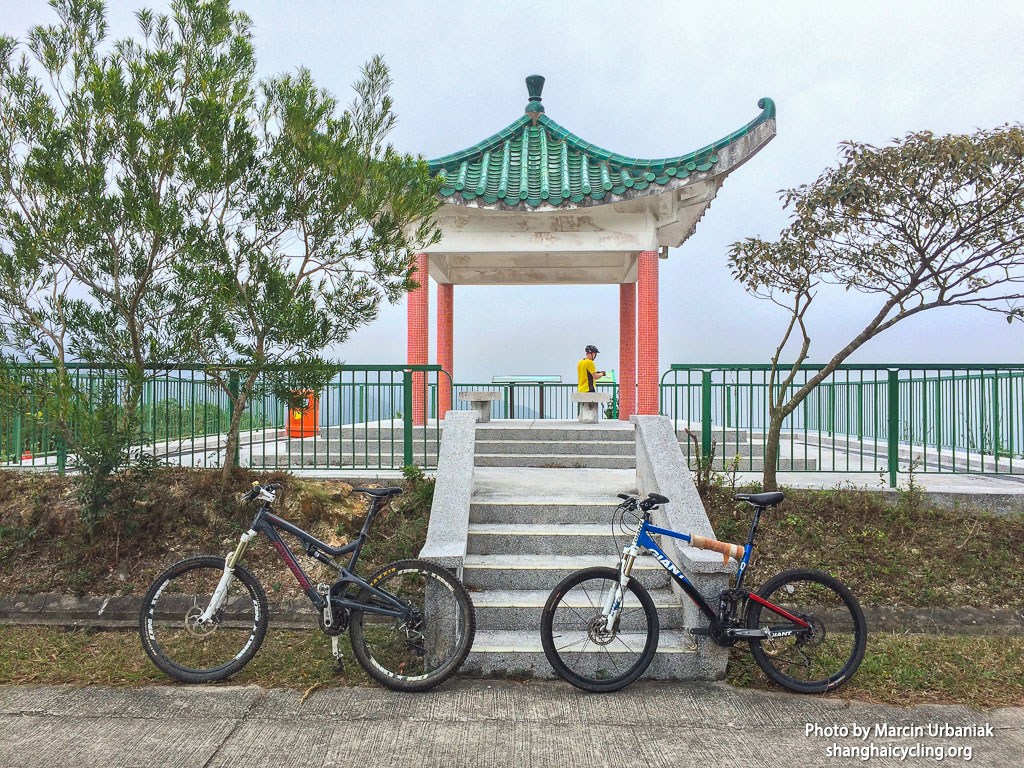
(769,476)
(238,408)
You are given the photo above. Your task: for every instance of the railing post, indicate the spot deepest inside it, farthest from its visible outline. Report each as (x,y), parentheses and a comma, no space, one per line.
(831,408)
(511,405)
(540,396)
(705,414)
(995,421)
(17,436)
(407,417)
(233,390)
(894,424)
(62,453)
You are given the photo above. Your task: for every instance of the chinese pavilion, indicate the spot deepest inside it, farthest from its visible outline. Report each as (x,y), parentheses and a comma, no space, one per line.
(537,204)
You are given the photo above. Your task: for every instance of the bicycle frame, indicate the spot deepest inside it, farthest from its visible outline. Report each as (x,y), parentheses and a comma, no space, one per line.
(643,540)
(270,525)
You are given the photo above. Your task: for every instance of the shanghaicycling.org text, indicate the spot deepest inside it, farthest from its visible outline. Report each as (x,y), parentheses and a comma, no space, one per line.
(933,741)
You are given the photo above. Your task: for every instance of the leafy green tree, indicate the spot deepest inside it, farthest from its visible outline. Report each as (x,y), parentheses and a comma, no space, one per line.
(104,159)
(926,222)
(161,204)
(318,228)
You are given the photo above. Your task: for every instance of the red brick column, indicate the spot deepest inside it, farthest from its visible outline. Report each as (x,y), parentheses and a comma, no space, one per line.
(627,350)
(647,333)
(419,342)
(445,350)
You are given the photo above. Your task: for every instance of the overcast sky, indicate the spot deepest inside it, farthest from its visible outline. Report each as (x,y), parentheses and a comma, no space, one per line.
(653,79)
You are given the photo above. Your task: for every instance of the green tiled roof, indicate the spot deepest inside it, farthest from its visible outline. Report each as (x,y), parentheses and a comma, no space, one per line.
(535,161)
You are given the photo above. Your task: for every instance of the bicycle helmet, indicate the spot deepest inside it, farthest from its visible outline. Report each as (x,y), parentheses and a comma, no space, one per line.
(591,348)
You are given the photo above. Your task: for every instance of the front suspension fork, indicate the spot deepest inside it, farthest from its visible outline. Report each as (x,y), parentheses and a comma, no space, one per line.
(613,603)
(217,599)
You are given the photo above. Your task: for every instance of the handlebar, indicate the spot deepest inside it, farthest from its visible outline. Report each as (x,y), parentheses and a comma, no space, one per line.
(262,491)
(651,502)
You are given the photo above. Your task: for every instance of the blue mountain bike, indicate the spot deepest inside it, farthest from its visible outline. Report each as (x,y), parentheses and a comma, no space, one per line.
(600,627)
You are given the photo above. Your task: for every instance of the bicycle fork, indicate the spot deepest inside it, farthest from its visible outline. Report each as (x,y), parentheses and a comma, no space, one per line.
(217,599)
(613,603)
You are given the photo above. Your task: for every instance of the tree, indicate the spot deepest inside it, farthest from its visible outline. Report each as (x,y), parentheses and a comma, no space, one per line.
(161,204)
(318,228)
(926,222)
(103,163)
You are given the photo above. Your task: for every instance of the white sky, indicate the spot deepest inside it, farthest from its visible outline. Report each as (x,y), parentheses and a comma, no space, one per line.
(653,79)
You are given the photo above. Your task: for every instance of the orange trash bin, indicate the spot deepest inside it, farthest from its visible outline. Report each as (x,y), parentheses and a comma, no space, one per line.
(304,416)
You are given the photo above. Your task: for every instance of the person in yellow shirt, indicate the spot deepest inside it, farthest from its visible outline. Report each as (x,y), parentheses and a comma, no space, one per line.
(586,371)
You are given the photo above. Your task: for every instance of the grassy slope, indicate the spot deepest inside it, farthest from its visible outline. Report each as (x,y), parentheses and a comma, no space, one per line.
(905,555)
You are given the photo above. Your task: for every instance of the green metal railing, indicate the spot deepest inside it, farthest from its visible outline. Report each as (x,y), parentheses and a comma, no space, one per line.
(863,418)
(364,417)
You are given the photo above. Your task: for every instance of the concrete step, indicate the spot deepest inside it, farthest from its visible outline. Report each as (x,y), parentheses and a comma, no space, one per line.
(552,447)
(520,609)
(512,653)
(745,450)
(718,433)
(503,512)
(359,461)
(505,431)
(757,464)
(375,432)
(555,461)
(359,445)
(543,539)
(480,572)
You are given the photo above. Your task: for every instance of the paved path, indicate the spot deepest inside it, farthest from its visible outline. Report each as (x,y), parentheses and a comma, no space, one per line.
(483,723)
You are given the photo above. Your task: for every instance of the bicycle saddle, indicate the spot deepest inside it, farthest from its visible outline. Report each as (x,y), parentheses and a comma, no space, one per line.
(379,492)
(760,499)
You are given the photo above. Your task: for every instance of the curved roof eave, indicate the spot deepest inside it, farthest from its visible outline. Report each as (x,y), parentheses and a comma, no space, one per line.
(561,170)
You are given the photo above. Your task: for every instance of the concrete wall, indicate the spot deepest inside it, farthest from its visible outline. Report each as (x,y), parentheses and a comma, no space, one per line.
(661,468)
(449,513)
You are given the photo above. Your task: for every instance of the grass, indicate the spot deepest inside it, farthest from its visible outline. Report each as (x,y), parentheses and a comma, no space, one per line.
(920,669)
(159,516)
(901,555)
(897,669)
(48,655)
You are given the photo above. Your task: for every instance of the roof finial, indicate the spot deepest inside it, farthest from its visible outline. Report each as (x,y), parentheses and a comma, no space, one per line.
(534,86)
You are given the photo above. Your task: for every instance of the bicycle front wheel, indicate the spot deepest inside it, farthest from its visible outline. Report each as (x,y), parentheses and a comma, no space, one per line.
(577,642)
(425,646)
(183,645)
(826,656)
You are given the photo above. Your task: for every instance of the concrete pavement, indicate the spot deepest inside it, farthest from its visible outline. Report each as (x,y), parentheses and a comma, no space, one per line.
(489,723)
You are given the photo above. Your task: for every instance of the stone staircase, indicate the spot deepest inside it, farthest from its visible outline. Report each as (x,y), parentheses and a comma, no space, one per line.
(510,443)
(531,527)
(555,444)
(735,444)
(365,446)
(510,588)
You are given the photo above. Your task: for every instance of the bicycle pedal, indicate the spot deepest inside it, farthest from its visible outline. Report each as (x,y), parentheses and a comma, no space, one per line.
(701,631)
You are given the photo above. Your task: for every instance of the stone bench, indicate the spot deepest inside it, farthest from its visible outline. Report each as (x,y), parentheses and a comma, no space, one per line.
(481,403)
(589,404)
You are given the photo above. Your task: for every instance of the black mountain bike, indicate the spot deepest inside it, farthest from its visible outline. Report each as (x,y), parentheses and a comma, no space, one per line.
(599,627)
(411,624)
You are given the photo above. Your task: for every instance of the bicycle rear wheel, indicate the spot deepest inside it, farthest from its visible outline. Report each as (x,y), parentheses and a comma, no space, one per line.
(576,641)
(426,646)
(185,647)
(812,662)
